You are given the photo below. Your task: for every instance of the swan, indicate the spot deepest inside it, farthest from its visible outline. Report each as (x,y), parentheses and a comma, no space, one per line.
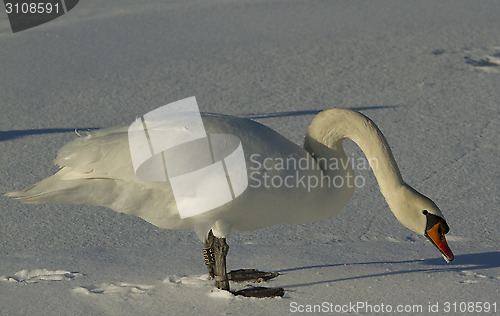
(286,184)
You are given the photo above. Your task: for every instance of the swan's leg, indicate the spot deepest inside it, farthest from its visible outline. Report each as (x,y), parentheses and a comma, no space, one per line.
(240,275)
(208,254)
(220,252)
(215,254)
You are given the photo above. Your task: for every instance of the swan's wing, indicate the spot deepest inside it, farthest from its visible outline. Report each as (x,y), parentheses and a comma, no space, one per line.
(97,169)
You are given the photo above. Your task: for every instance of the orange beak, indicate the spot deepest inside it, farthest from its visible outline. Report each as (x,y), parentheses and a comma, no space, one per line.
(436,236)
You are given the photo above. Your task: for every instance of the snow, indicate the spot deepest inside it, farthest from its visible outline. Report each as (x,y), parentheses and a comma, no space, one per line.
(425,72)
(36,275)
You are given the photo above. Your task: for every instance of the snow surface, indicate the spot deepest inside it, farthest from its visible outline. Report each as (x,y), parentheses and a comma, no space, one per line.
(426,72)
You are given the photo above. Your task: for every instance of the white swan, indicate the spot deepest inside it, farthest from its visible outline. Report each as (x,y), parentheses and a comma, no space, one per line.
(97,170)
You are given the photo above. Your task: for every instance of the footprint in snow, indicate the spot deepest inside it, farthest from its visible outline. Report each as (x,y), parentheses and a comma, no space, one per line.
(128,289)
(195,280)
(474,277)
(120,289)
(199,281)
(37,275)
(477,59)
(485,60)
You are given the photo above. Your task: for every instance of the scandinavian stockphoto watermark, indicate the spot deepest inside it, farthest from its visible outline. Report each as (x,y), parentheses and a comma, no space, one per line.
(171,144)
(306,172)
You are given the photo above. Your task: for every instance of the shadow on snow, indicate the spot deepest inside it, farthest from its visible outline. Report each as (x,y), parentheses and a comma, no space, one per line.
(464,262)
(309,112)
(8,135)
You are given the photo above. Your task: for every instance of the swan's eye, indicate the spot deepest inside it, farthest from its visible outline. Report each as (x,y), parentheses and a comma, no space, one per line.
(432,220)
(441,235)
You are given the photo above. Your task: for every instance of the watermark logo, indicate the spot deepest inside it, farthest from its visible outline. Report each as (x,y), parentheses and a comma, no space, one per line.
(171,144)
(307,172)
(25,14)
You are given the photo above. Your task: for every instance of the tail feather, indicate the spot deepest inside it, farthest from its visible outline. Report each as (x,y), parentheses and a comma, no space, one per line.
(97,170)
(61,188)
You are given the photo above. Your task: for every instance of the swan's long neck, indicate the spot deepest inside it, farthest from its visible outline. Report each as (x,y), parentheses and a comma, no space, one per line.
(331,127)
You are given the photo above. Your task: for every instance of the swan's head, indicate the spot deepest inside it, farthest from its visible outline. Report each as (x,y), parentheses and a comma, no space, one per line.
(421,215)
